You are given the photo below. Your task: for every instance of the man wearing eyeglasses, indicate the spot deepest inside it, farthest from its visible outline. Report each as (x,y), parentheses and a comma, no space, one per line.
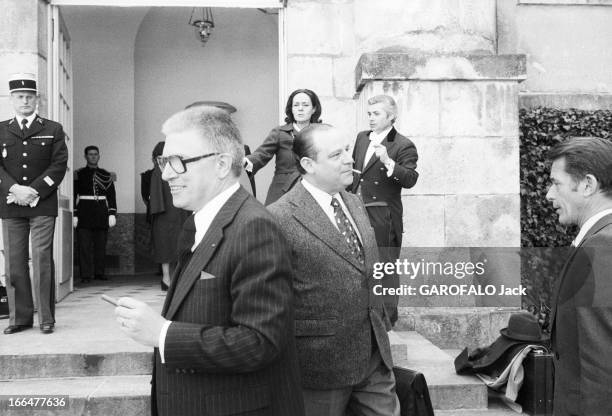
(224,342)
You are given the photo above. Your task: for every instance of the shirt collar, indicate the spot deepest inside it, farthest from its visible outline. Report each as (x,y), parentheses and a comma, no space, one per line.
(322,197)
(205,216)
(30,119)
(379,137)
(589,224)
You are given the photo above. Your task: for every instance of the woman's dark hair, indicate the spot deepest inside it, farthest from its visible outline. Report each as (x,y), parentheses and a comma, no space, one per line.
(313,99)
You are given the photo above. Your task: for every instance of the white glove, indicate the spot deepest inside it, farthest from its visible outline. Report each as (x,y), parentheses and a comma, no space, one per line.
(112,221)
(75,222)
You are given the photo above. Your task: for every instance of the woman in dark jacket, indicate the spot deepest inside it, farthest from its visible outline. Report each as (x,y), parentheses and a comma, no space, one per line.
(303,107)
(166,220)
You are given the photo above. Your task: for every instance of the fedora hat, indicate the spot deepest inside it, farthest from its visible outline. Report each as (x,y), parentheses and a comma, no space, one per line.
(524,327)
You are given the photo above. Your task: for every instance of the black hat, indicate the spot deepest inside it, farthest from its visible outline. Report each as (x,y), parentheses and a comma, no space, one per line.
(523,327)
(22,82)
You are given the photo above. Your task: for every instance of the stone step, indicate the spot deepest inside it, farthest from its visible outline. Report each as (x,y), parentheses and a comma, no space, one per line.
(93,396)
(28,366)
(455,327)
(495,408)
(448,390)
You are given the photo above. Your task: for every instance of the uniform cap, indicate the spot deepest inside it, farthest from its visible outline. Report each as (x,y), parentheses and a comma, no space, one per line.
(22,82)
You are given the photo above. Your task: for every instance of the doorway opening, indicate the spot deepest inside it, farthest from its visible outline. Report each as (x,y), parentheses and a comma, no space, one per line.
(133,67)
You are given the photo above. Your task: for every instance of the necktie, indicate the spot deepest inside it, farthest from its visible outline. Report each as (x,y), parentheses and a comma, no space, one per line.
(24,124)
(347,231)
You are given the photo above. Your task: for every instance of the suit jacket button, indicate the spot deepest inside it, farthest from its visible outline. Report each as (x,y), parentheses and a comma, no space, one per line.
(373,197)
(361,180)
(375,183)
(25,154)
(24,143)
(25,178)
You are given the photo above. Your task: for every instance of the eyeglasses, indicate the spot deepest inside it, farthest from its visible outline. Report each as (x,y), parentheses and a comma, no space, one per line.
(177,163)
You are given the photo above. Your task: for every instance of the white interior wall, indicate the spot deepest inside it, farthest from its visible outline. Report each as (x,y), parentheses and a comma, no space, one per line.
(238,65)
(134,67)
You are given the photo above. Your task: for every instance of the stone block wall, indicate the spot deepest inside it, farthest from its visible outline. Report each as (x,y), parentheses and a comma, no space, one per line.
(462,114)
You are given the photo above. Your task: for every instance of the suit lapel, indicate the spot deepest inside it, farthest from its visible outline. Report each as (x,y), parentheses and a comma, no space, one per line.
(361,146)
(311,216)
(13,127)
(36,126)
(388,142)
(607,220)
(204,251)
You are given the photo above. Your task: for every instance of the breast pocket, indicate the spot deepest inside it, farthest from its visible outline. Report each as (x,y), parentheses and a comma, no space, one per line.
(8,148)
(41,148)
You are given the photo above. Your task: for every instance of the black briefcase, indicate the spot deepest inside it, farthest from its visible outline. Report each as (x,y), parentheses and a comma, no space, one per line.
(4,310)
(412,392)
(536,393)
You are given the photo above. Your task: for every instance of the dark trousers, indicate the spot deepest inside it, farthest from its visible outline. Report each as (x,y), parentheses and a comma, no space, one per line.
(92,251)
(389,246)
(16,233)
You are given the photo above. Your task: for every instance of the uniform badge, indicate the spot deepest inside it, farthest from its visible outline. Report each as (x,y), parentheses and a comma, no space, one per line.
(4,152)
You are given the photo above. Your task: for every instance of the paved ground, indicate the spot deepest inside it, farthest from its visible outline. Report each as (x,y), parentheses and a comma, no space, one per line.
(84,322)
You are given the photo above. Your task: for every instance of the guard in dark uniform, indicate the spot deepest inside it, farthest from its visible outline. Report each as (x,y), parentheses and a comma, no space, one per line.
(33,162)
(95,211)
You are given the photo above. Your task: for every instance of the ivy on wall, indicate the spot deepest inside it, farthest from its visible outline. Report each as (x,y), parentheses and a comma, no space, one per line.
(542,235)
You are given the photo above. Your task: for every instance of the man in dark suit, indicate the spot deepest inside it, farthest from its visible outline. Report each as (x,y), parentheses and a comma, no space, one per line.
(95,210)
(340,325)
(224,342)
(386,163)
(581,321)
(32,165)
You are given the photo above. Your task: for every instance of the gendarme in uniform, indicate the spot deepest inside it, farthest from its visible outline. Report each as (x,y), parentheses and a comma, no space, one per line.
(33,160)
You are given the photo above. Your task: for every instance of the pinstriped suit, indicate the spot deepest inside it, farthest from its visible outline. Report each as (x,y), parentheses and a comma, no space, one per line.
(230,347)
(337,315)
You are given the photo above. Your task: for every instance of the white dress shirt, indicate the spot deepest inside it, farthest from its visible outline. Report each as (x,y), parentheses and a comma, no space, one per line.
(324,201)
(30,119)
(202,219)
(589,224)
(376,139)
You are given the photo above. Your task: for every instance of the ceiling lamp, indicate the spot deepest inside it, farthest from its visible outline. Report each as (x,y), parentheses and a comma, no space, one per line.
(204,26)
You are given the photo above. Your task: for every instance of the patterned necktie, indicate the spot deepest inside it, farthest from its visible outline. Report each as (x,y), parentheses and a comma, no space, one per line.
(24,124)
(347,231)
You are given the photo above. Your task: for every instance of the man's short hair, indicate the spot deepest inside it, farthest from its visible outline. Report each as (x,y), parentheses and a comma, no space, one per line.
(214,126)
(88,148)
(586,155)
(388,104)
(303,144)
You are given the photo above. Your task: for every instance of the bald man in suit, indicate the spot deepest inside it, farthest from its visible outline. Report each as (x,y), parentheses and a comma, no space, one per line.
(341,326)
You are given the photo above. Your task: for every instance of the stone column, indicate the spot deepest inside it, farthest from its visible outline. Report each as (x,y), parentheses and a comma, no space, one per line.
(23,47)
